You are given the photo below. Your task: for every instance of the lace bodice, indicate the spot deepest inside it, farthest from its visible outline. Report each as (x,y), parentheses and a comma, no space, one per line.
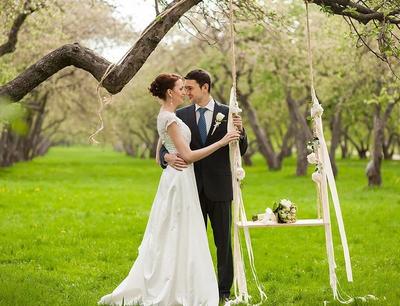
(164,119)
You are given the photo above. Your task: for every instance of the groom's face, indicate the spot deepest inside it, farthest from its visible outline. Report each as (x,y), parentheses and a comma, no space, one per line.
(194,91)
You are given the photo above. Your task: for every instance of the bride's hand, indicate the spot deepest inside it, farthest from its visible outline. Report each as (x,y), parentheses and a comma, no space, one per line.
(229,137)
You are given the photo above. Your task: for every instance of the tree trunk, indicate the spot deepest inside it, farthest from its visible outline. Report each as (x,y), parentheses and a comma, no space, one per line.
(335,141)
(344,148)
(344,143)
(389,146)
(251,150)
(153,149)
(129,149)
(263,141)
(15,147)
(43,147)
(374,166)
(362,153)
(302,134)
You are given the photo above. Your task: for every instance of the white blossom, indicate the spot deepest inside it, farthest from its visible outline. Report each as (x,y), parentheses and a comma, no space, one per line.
(316,177)
(240,173)
(312,158)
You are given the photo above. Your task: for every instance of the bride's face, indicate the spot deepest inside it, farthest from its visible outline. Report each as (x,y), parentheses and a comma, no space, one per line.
(178,92)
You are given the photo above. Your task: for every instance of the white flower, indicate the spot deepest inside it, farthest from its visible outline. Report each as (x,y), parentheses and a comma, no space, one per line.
(219,117)
(286,203)
(240,173)
(285,212)
(312,158)
(316,177)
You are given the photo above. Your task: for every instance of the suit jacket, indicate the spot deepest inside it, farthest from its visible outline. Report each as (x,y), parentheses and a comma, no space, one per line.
(213,173)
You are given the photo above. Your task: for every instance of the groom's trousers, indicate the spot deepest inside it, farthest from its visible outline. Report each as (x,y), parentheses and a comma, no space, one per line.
(220,215)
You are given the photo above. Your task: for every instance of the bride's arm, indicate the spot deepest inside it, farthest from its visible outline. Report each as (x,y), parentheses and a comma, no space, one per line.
(192,156)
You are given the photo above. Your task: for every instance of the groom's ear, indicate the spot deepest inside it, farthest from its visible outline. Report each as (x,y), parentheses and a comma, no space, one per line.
(205,86)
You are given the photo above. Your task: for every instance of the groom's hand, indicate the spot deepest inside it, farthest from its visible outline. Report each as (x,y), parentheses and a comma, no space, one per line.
(237,121)
(175,161)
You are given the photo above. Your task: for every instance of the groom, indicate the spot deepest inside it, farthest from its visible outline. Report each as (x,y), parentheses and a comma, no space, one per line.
(213,174)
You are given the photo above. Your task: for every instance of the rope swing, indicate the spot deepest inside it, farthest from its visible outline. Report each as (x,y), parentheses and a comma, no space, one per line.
(323,179)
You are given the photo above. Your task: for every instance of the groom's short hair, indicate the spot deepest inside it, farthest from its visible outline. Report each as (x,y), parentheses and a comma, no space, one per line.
(200,76)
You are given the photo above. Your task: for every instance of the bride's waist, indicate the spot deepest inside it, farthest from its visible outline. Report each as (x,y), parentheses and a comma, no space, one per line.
(171,169)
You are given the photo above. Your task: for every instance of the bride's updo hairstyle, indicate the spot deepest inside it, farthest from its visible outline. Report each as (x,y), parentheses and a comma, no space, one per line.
(162,83)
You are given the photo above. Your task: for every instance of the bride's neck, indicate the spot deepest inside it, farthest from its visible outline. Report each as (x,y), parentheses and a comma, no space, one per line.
(168,106)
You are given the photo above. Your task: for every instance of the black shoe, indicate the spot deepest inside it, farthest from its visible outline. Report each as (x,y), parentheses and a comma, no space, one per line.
(224,298)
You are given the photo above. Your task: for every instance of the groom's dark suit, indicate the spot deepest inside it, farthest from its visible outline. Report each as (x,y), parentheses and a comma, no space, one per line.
(214,184)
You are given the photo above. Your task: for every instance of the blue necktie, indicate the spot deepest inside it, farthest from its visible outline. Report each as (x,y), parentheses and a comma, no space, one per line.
(202,125)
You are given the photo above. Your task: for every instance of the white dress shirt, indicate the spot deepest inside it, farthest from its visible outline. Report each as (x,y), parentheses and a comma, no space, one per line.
(208,114)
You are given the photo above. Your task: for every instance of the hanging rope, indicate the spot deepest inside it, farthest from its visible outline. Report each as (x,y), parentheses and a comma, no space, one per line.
(232,35)
(239,213)
(107,98)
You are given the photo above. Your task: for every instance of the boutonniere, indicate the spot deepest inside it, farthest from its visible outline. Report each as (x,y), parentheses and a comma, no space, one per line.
(218,119)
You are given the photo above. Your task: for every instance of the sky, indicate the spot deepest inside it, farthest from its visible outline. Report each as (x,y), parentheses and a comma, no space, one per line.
(141,13)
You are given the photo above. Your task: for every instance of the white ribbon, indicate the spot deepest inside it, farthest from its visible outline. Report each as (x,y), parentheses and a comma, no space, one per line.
(239,215)
(327,172)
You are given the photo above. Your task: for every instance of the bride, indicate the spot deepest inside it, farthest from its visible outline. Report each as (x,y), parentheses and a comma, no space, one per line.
(174,265)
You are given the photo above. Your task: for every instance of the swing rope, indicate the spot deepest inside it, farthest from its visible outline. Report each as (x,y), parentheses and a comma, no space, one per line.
(239,213)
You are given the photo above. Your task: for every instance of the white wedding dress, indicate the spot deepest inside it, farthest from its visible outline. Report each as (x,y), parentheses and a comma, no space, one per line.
(174,265)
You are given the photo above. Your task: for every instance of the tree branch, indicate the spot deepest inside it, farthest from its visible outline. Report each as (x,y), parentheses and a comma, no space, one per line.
(9,45)
(88,60)
(358,12)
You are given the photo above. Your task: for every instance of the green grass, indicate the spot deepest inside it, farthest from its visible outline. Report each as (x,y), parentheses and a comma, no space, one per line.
(71,223)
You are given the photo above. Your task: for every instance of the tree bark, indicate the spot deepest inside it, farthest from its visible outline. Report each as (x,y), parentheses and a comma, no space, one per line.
(15,147)
(335,140)
(153,148)
(373,170)
(251,150)
(302,133)
(388,146)
(263,141)
(344,147)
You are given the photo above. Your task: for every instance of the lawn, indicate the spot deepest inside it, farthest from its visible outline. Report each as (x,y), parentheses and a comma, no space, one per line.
(71,223)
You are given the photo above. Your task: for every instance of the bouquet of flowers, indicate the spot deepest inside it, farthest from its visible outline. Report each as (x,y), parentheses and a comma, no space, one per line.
(285,211)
